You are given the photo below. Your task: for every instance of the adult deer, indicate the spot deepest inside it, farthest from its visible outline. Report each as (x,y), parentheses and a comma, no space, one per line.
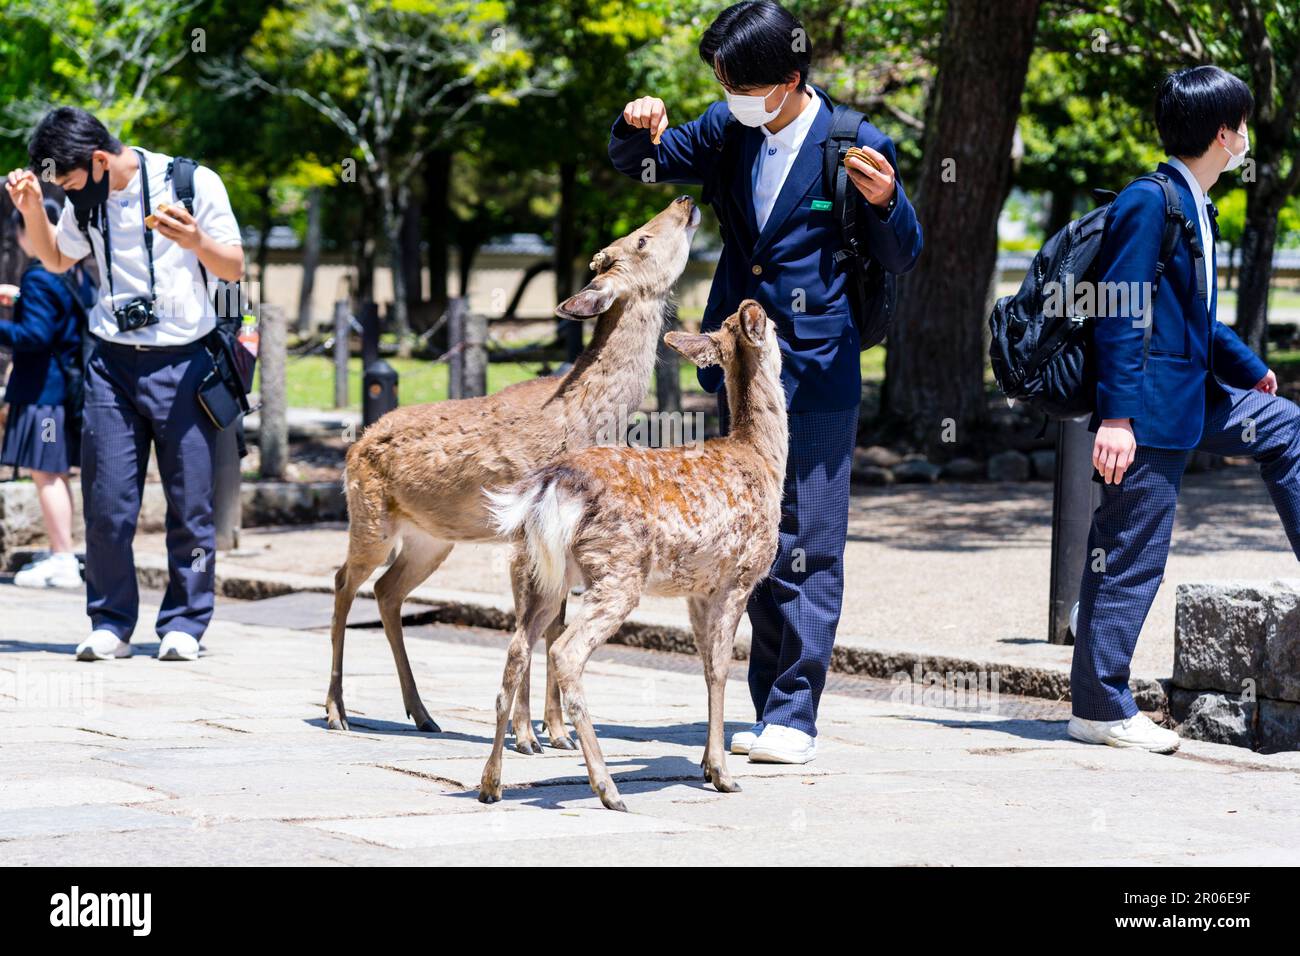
(416,477)
(701,522)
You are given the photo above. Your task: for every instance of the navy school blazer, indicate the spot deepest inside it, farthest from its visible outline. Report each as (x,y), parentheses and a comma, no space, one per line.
(787,268)
(1191,352)
(45,336)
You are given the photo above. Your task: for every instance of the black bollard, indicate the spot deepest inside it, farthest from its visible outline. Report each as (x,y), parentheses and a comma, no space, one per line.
(379,392)
(1075,497)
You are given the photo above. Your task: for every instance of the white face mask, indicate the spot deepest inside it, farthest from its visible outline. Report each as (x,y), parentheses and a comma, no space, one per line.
(752,110)
(1236,159)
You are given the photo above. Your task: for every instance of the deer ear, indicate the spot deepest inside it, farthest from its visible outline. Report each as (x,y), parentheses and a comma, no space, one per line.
(595,299)
(699,348)
(753,321)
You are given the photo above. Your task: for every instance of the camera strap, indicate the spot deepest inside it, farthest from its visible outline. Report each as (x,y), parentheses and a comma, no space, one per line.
(148,233)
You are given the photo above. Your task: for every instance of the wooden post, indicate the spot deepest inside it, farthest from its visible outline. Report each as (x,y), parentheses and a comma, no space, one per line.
(457,312)
(273,435)
(341,331)
(476,357)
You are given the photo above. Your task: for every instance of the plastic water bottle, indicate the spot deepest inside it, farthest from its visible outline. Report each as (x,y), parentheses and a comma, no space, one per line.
(248,335)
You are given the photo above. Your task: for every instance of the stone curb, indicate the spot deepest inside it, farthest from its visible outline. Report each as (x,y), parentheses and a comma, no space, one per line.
(473,609)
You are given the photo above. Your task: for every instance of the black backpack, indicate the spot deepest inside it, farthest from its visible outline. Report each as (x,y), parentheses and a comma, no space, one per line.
(1046,360)
(872,290)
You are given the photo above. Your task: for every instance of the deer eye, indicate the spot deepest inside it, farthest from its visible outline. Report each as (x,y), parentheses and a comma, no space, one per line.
(640,243)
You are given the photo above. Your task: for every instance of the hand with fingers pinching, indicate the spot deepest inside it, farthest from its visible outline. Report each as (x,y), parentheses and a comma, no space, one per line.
(871,174)
(1114,449)
(1267,384)
(648,112)
(174,222)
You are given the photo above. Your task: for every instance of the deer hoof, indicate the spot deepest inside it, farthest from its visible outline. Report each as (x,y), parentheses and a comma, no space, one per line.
(528,747)
(335,717)
(610,797)
(721,780)
(489,791)
(428,726)
(563,742)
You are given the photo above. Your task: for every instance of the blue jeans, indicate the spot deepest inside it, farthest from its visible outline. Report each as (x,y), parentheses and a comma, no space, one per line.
(135,399)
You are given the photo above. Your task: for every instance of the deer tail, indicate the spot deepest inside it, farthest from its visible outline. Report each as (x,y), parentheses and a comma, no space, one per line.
(547,515)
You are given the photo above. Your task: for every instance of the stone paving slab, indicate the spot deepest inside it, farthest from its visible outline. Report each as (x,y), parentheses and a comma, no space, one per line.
(227,761)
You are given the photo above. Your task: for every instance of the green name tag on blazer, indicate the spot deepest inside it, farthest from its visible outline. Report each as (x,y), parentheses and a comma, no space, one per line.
(822,205)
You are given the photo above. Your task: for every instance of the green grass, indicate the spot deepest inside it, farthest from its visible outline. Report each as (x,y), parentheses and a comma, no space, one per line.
(311,380)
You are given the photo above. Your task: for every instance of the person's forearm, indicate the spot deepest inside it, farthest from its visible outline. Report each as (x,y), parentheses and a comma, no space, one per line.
(42,235)
(223,260)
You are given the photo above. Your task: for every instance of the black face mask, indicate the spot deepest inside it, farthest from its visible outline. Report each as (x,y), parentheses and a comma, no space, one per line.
(92,195)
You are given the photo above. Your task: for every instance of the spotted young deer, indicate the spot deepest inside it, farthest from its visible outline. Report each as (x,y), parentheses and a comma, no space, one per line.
(416,477)
(699,522)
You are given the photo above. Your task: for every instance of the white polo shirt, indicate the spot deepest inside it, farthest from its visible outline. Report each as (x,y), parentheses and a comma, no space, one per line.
(1203,215)
(776,158)
(184,307)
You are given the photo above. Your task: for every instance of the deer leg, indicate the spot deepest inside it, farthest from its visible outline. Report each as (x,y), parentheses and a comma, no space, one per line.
(532,612)
(419,557)
(526,741)
(714,624)
(363,557)
(604,607)
(555,727)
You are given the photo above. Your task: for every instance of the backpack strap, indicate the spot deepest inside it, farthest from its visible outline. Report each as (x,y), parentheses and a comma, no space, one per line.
(1176,224)
(181,173)
(845,123)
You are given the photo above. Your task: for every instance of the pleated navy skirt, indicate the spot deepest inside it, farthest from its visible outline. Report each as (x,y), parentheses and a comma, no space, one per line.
(36,436)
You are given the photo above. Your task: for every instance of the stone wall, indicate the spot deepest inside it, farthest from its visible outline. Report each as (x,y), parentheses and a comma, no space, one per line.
(1237,663)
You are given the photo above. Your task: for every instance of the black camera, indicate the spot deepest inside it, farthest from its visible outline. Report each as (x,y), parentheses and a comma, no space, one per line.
(136,314)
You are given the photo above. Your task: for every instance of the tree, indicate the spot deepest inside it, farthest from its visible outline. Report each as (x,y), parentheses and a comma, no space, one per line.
(1260,42)
(399,81)
(935,365)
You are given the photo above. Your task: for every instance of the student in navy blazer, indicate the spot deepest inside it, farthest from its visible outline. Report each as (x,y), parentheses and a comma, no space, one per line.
(1198,386)
(778,244)
(45,337)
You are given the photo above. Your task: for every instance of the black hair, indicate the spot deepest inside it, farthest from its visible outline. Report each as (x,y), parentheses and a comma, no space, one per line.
(68,135)
(1193,104)
(52,212)
(756,43)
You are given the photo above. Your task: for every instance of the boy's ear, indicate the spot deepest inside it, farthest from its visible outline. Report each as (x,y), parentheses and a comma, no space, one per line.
(698,347)
(753,321)
(595,299)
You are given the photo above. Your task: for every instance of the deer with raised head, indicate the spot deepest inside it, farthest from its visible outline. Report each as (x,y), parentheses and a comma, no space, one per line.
(699,522)
(415,478)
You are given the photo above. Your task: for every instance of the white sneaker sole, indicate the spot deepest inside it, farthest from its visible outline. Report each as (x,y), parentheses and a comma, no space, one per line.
(762,755)
(742,747)
(90,654)
(172,654)
(1079,733)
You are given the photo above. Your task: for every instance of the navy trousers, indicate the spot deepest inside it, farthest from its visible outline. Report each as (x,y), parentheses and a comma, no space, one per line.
(1129,540)
(795,610)
(135,399)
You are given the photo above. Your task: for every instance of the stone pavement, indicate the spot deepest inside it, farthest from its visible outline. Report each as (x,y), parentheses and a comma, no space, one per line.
(226,761)
(948,570)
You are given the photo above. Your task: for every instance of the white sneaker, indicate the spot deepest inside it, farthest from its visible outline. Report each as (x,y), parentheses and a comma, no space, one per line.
(777,744)
(1137,731)
(743,740)
(178,646)
(60,570)
(103,646)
